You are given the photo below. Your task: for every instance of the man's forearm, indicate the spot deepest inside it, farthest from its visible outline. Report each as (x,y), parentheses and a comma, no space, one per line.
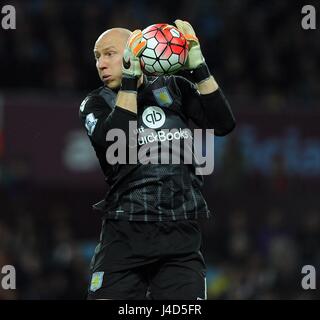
(215,105)
(127,100)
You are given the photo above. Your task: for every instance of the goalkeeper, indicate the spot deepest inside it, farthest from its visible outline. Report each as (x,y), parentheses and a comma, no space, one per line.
(150,239)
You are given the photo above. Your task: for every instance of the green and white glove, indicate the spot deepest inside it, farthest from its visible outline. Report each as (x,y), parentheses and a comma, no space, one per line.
(195,57)
(195,62)
(131,63)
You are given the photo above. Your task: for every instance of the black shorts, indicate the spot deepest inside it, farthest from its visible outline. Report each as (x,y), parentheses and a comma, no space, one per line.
(148,260)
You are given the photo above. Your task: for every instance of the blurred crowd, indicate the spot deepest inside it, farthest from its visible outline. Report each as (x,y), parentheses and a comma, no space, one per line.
(254,48)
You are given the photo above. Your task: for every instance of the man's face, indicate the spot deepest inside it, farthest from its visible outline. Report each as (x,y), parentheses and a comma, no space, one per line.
(108,52)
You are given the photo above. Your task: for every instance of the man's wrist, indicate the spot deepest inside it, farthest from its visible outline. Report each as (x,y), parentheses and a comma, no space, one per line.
(207,86)
(129,83)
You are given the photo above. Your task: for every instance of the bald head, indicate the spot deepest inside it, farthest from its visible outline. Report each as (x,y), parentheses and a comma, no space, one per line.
(115,33)
(108,51)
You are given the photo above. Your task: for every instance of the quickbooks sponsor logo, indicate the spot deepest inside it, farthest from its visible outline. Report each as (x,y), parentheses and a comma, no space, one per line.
(163,135)
(153,117)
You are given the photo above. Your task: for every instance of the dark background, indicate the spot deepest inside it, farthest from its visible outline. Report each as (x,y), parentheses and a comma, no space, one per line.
(263,193)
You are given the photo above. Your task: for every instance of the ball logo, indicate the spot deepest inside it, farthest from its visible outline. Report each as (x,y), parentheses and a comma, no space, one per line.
(153,117)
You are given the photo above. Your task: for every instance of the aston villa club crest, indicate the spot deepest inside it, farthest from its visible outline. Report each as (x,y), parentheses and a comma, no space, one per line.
(163,97)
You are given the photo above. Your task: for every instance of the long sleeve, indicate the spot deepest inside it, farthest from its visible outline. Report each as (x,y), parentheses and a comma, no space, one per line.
(98,118)
(210,111)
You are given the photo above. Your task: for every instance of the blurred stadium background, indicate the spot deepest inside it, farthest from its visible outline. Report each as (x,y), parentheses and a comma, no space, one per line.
(263,193)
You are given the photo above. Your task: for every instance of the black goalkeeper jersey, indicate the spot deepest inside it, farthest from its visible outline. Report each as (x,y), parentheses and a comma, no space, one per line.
(154,192)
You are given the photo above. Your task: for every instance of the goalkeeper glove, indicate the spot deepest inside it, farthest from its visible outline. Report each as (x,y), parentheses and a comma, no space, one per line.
(131,69)
(195,61)
(195,57)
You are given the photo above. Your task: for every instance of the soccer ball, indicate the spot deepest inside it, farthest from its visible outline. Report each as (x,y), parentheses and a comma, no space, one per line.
(166,50)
